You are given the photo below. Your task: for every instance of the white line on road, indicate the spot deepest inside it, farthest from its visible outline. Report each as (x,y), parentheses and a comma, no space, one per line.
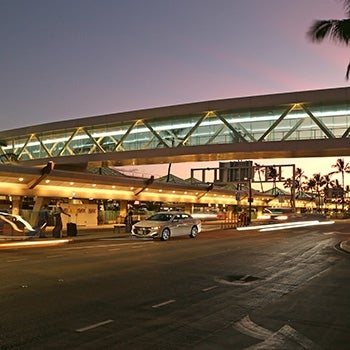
(92,326)
(104,246)
(318,274)
(15,260)
(164,303)
(248,327)
(272,340)
(209,288)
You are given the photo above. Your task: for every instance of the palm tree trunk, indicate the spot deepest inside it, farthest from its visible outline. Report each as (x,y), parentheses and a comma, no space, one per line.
(169,171)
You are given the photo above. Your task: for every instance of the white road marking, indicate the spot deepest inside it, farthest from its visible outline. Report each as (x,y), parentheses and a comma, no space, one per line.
(209,288)
(92,326)
(164,303)
(318,274)
(248,327)
(15,260)
(272,340)
(105,246)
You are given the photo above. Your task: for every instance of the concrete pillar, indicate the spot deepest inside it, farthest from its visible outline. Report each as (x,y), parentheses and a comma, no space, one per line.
(16,204)
(189,208)
(229,212)
(39,201)
(123,208)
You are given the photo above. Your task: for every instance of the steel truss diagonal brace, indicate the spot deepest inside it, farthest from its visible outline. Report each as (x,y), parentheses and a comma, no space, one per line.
(273,126)
(319,123)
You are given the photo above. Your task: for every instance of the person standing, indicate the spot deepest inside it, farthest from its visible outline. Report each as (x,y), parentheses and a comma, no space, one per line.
(43,219)
(57,230)
(128,221)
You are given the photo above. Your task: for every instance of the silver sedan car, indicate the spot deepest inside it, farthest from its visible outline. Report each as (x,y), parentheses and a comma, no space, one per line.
(167,224)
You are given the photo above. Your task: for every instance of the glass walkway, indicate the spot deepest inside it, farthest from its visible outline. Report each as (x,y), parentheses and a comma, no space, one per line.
(195,129)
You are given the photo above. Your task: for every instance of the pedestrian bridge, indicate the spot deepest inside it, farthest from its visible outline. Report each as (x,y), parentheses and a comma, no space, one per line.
(288,125)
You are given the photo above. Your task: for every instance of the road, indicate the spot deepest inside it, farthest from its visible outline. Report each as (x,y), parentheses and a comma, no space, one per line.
(228,289)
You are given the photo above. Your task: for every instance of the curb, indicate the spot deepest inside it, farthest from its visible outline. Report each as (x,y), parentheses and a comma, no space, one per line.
(345,245)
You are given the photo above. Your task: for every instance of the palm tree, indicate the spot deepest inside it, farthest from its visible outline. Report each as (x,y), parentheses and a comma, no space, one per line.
(260,170)
(342,168)
(299,179)
(337,30)
(315,184)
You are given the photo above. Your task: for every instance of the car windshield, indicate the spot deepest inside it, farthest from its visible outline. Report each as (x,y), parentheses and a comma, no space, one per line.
(160,217)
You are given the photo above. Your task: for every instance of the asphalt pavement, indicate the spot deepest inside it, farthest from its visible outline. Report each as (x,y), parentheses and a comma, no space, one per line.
(93,233)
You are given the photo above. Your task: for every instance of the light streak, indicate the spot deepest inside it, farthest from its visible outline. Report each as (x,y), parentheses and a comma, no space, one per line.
(28,244)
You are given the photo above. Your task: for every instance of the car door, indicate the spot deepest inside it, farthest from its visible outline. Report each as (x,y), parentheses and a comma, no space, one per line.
(185,224)
(176,227)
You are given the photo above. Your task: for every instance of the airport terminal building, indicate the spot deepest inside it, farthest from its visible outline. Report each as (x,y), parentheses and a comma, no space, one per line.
(74,159)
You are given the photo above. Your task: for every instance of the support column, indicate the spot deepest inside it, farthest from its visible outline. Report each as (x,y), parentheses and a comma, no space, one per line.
(16,204)
(123,208)
(39,201)
(189,208)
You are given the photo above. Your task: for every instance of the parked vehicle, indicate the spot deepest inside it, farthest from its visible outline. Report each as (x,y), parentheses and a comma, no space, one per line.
(167,224)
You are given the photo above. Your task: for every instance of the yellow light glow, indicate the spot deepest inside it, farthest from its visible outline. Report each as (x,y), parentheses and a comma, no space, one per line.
(27,244)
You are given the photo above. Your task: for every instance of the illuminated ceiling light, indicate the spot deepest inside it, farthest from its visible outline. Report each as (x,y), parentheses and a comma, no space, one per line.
(47,181)
(93,185)
(113,186)
(174,191)
(71,183)
(160,190)
(20,179)
(131,188)
(185,192)
(146,189)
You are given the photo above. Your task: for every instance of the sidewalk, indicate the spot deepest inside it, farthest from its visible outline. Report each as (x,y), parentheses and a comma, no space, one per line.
(84,234)
(98,232)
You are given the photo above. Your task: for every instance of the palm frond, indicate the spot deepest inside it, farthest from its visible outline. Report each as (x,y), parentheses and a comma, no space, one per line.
(347,72)
(337,30)
(341,31)
(347,7)
(319,30)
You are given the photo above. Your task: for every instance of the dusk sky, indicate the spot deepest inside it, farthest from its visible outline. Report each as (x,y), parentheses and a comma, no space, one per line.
(67,59)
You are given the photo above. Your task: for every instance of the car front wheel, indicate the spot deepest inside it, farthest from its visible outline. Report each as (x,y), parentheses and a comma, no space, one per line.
(194,232)
(165,234)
